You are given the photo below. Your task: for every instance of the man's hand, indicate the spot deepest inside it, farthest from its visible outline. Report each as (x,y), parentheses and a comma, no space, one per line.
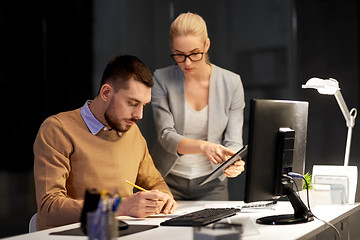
(169,206)
(143,204)
(235,169)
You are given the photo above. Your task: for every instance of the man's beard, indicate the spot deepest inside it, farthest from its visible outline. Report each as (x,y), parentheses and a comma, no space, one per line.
(115,123)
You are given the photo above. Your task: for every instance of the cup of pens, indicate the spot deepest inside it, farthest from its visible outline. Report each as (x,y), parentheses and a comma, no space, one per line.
(102,223)
(102,226)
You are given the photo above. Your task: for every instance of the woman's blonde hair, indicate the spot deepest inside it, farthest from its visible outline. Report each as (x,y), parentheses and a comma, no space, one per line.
(188,24)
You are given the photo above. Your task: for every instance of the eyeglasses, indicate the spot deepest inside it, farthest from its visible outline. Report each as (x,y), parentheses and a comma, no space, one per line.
(194,57)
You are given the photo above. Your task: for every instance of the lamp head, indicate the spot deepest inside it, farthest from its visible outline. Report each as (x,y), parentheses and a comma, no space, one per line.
(323,86)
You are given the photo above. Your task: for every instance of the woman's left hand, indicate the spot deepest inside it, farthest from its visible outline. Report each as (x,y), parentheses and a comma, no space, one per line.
(235,169)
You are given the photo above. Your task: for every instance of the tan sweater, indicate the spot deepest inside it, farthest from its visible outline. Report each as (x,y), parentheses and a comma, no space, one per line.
(69,159)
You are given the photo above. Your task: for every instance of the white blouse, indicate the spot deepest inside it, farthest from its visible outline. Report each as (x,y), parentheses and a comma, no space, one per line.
(192,166)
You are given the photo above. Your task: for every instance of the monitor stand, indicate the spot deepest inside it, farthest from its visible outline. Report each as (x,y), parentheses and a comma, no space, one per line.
(301,213)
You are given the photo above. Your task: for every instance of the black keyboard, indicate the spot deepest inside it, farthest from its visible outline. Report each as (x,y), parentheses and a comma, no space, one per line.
(201,218)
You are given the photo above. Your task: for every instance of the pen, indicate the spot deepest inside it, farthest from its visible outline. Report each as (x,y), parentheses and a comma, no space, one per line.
(116,203)
(136,186)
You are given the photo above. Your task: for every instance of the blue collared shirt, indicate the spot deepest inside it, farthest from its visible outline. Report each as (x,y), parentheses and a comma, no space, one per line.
(91,122)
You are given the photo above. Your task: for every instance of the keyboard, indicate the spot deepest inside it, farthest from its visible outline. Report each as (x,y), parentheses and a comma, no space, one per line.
(202,217)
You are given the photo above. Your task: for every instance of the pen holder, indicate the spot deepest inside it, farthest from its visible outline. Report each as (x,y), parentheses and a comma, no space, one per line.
(102,226)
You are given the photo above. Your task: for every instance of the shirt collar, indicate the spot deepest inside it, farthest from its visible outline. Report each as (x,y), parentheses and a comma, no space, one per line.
(91,122)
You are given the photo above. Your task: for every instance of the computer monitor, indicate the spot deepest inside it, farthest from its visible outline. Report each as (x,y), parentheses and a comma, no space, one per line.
(277,145)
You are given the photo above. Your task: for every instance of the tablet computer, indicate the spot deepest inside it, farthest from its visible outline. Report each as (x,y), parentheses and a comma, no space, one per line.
(220,170)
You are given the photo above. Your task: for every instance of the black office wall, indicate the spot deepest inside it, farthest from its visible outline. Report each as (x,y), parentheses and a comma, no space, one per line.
(45,62)
(328,46)
(21,78)
(45,68)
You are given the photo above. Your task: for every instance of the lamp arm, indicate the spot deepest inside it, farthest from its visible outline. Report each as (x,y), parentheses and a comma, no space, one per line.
(344,109)
(348,146)
(350,122)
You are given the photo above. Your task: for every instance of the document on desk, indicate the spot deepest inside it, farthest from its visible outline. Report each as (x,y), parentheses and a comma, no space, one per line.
(163,215)
(130,230)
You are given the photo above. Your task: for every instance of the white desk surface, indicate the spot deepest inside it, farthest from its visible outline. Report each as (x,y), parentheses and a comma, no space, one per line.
(331,213)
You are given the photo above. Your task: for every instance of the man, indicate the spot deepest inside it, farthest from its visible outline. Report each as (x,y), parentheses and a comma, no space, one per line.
(100,146)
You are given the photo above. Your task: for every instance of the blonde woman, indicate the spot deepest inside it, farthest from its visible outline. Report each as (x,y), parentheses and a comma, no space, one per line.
(198,112)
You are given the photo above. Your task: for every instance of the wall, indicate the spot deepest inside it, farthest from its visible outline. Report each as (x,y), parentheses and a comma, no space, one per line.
(45,68)
(53,57)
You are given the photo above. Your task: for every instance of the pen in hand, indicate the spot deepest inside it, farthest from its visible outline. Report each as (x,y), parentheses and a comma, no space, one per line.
(161,199)
(136,186)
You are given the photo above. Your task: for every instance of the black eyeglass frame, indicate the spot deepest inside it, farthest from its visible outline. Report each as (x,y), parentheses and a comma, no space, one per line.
(187,56)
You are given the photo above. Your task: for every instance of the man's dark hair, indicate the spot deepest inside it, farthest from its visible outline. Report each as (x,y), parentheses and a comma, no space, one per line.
(122,68)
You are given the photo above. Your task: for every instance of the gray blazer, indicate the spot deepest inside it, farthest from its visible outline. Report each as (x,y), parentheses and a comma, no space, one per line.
(226,112)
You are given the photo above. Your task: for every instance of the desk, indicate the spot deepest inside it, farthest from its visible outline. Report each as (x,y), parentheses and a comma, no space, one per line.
(252,231)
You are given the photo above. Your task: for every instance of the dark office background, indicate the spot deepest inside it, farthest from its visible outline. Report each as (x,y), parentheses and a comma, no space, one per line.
(52,54)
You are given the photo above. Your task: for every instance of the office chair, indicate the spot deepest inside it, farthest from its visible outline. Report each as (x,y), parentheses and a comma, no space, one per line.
(32,224)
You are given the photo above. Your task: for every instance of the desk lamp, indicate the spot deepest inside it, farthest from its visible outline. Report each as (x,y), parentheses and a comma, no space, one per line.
(331,87)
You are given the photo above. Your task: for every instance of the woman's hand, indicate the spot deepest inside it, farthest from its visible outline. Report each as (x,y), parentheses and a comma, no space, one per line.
(216,153)
(235,169)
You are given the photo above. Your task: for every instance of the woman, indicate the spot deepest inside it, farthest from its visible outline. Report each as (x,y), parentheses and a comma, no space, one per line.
(198,112)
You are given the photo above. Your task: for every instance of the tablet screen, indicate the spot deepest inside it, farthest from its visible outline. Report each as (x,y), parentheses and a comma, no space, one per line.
(220,170)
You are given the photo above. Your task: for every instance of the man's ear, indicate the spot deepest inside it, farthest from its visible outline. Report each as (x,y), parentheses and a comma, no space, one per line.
(105,92)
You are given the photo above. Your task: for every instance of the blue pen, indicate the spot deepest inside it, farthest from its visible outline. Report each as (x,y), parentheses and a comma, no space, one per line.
(116,204)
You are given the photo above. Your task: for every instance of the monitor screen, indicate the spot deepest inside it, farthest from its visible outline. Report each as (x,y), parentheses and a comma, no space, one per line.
(274,123)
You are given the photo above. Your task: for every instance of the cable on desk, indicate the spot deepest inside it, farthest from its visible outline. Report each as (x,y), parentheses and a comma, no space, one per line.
(297,175)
